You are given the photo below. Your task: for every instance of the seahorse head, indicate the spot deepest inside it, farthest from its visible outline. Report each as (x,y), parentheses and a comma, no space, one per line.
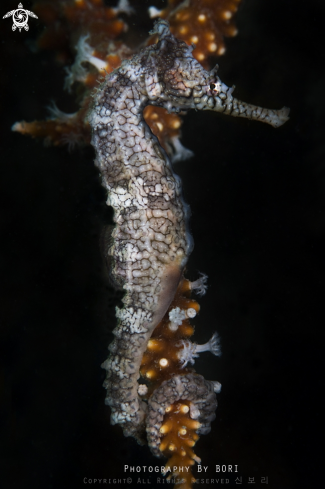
(175,79)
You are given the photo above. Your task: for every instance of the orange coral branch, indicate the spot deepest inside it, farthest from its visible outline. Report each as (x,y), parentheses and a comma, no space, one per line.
(203,23)
(160,362)
(66,20)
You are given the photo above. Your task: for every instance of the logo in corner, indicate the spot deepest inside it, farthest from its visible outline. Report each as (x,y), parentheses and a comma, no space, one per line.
(20,18)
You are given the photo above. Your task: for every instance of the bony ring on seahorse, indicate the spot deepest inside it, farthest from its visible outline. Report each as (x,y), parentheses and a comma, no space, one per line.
(20,18)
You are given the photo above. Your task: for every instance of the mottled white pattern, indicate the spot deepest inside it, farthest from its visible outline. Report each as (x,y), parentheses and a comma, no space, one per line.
(150,243)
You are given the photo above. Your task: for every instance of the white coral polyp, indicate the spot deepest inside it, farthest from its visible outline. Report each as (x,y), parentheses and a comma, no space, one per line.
(177,316)
(187,353)
(190,350)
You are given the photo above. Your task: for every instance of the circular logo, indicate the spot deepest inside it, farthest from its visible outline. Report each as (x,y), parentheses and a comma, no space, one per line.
(20,19)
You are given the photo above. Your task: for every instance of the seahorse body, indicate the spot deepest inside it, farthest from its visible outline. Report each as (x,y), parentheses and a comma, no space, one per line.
(151,242)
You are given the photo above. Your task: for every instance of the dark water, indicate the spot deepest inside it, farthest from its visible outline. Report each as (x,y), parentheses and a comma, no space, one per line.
(257,196)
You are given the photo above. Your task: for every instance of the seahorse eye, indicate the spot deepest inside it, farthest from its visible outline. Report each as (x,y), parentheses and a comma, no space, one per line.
(212,86)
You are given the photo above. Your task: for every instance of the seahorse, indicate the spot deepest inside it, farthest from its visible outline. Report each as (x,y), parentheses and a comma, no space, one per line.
(151,243)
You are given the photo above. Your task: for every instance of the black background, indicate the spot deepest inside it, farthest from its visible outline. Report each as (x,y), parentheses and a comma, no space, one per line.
(257,196)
